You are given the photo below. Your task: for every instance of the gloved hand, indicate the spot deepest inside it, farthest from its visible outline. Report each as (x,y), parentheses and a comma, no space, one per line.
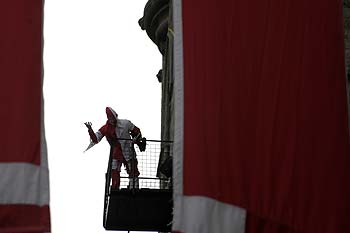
(91,132)
(142,144)
(88,125)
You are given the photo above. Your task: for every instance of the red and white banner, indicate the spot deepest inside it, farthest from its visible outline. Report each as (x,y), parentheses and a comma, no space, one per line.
(24,178)
(261,128)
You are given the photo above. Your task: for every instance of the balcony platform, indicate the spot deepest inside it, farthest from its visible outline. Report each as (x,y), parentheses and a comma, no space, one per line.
(139,210)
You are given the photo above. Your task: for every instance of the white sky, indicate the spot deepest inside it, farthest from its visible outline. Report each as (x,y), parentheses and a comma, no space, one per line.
(95,55)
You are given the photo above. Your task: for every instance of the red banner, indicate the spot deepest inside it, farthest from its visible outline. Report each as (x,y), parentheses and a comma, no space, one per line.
(261,124)
(24,184)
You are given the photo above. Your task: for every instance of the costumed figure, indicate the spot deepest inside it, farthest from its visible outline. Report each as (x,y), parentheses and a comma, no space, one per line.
(121,135)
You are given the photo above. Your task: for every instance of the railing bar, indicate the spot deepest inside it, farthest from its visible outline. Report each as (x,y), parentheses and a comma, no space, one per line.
(146,178)
(147,140)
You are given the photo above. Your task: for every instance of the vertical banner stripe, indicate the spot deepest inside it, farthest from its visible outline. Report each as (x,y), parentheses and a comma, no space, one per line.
(178,212)
(24,176)
(194,214)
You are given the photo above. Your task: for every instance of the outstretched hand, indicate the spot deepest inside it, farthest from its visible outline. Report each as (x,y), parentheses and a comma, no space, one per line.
(88,125)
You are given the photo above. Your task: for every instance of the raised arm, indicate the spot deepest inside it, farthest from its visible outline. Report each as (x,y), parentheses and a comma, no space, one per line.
(95,137)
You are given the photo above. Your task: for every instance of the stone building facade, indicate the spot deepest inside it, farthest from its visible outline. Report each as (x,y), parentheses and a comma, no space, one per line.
(157,22)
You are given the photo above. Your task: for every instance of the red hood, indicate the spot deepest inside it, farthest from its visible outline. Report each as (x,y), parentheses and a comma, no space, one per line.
(111,114)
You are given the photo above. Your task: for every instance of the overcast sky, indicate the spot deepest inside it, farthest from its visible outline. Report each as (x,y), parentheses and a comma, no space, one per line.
(95,55)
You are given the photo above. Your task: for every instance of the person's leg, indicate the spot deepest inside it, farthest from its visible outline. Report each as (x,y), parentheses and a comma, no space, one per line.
(133,173)
(116,165)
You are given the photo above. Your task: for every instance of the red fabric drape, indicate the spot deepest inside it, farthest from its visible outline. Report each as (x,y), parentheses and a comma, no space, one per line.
(28,218)
(265,111)
(21,77)
(23,174)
